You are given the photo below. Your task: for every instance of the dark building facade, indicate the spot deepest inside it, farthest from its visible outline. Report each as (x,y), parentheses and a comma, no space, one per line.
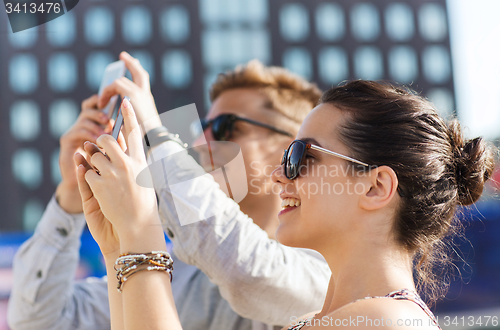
(45,72)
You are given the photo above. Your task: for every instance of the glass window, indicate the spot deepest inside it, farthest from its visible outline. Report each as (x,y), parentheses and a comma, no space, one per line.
(330,21)
(176,69)
(399,23)
(174,24)
(298,60)
(432,22)
(255,10)
(23,73)
(259,46)
(333,65)
(32,213)
(62,72)
(294,22)
(55,171)
(25,120)
(237,49)
(216,11)
(436,64)
(136,25)
(25,38)
(211,10)
(365,22)
(368,63)
(99,26)
(214,48)
(232,10)
(95,65)
(147,62)
(403,64)
(244,45)
(61,32)
(62,114)
(443,101)
(235,46)
(27,167)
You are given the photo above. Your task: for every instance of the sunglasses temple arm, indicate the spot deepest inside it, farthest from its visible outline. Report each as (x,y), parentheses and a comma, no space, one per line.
(338,155)
(266,126)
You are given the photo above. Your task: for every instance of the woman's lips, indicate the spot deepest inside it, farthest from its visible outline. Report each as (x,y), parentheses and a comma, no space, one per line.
(287,209)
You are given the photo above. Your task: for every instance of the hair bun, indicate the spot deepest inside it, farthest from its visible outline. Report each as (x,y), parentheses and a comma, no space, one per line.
(474,164)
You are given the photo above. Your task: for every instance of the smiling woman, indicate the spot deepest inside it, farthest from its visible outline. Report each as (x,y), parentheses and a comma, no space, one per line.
(374,239)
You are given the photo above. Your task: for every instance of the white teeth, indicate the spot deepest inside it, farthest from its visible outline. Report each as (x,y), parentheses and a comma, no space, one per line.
(290,202)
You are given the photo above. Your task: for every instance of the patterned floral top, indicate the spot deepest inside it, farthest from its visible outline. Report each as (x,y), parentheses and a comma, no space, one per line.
(404,294)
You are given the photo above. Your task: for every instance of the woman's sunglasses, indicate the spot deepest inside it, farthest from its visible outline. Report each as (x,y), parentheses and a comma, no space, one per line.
(294,156)
(223,125)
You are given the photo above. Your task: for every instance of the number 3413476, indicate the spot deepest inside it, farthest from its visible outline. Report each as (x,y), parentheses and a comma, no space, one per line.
(33,8)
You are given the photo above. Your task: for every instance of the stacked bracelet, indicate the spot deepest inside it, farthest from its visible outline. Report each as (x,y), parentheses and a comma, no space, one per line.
(159,135)
(128,264)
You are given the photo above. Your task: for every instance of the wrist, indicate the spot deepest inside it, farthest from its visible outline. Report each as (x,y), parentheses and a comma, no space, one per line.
(151,123)
(68,197)
(110,258)
(150,238)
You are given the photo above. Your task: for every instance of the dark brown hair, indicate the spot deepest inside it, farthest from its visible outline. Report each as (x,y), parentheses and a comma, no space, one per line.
(437,168)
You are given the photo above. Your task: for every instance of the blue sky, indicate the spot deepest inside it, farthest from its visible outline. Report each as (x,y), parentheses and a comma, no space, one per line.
(475,42)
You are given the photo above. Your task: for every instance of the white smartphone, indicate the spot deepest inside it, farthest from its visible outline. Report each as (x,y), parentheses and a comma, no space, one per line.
(113,71)
(119,121)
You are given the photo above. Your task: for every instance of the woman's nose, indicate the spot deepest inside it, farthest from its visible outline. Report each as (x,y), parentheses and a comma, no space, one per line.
(278,175)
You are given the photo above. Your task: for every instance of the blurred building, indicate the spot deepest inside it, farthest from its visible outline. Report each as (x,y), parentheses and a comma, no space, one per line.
(45,72)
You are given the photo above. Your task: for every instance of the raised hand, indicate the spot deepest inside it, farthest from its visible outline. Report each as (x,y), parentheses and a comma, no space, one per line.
(139,91)
(88,127)
(129,208)
(101,229)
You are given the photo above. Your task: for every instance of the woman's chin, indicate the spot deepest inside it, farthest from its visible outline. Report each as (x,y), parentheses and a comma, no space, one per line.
(287,237)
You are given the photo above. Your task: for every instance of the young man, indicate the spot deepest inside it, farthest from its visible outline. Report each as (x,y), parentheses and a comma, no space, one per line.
(247,267)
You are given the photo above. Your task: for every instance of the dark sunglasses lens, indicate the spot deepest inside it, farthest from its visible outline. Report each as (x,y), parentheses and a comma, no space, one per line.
(294,158)
(221,128)
(204,124)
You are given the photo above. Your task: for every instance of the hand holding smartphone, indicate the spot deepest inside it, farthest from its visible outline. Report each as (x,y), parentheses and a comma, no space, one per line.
(113,71)
(119,120)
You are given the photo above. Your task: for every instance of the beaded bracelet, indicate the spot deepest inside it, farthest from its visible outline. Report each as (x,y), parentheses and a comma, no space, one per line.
(128,264)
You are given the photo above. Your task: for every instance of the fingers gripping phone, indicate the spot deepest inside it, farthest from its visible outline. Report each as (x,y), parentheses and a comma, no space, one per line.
(113,71)
(116,129)
(119,121)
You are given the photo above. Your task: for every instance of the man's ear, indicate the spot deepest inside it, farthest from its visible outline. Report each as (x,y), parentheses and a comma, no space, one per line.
(383,187)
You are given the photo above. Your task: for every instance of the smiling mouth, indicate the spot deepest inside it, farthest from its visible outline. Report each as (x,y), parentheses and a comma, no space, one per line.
(289,202)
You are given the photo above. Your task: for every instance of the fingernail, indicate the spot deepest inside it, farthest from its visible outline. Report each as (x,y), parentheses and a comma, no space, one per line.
(126,104)
(104,117)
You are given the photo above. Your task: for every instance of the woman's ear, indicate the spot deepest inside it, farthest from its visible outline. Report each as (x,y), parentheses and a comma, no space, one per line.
(383,186)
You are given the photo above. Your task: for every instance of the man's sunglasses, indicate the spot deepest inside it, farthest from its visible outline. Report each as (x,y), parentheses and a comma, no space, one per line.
(294,156)
(223,125)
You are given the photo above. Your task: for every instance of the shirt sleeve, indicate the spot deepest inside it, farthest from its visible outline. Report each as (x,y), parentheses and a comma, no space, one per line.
(260,278)
(44,293)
